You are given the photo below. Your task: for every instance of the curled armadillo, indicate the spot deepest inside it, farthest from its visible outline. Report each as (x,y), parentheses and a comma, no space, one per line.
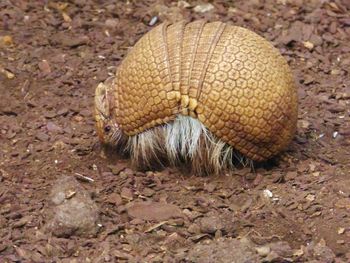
(203,93)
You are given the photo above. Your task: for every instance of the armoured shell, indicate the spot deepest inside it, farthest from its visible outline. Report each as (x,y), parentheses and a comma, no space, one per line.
(228,78)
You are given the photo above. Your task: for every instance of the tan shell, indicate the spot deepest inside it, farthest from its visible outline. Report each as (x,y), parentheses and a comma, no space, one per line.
(234,81)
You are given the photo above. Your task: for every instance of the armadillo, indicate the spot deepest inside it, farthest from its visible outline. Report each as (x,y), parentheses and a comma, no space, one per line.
(207,94)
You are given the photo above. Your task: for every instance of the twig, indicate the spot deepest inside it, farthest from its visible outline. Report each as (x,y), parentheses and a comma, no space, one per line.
(84,178)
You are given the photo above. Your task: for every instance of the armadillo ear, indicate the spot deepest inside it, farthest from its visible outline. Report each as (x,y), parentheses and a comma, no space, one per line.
(110,86)
(101,101)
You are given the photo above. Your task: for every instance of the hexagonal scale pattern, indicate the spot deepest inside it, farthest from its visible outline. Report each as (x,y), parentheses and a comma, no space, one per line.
(234,81)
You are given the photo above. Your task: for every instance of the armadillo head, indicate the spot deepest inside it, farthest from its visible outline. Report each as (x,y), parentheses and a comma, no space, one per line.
(107,129)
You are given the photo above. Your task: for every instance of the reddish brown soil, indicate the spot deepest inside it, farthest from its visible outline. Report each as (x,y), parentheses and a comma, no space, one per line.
(52,56)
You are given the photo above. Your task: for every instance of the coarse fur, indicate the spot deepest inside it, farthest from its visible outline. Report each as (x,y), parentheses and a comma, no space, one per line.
(184,140)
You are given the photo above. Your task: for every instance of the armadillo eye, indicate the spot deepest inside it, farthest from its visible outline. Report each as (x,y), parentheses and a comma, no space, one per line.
(107,129)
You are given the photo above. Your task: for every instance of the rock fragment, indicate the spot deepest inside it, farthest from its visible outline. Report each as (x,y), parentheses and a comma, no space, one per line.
(153,211)
(213,222)
(224,251)
(71,210)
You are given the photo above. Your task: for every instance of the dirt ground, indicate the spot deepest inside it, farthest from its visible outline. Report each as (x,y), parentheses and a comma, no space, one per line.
(53,170)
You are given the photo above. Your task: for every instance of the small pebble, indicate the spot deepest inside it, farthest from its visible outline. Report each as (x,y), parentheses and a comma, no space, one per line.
(267,193)
(153,21)
(203,8)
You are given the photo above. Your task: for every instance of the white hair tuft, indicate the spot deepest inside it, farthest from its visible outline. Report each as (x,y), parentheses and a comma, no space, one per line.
(184,140)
